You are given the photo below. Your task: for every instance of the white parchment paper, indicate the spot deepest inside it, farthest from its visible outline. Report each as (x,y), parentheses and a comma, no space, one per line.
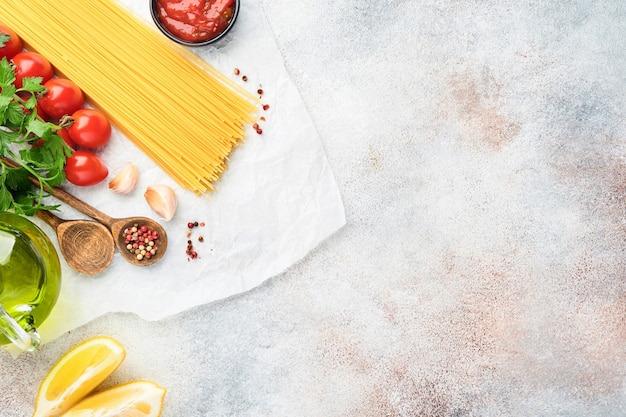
(277,200)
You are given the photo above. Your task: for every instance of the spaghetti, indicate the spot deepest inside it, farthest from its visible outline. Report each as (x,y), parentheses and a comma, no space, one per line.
(174,106)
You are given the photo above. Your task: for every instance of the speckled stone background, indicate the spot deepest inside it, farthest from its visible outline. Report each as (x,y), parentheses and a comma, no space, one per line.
(480,150)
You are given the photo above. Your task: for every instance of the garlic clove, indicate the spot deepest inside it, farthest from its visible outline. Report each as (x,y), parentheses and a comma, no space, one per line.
(125,180)
(162,200)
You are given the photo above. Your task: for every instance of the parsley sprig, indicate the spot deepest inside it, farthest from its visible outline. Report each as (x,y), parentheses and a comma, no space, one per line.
(4,38)
(30,142)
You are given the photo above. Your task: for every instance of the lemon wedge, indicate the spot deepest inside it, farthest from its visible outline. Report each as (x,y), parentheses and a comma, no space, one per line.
(133,399)
(77,373)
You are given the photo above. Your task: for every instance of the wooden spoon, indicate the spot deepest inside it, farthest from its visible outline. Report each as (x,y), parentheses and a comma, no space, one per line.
(118,227)
(87,246)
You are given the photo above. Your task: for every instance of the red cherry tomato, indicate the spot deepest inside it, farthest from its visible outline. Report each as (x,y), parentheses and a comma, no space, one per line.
(26,96)
(85,168)
(31,64)
(12,46)
(41,113)
(62,97)
(90,128)
(65,135)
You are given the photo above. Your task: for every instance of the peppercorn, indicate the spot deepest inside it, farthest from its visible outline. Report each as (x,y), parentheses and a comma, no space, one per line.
(189,251)
(141,241)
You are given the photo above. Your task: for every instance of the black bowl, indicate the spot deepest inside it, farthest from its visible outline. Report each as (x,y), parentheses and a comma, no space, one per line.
(157,21)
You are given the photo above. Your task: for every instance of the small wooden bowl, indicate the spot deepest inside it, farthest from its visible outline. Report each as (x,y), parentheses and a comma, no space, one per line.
(118,226)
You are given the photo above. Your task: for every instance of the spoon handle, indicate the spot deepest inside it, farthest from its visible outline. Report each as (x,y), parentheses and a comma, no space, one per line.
(79,205)
(69,199)
(49,218)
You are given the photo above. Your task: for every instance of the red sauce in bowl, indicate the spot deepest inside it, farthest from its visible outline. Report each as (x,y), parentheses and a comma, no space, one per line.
(195,20)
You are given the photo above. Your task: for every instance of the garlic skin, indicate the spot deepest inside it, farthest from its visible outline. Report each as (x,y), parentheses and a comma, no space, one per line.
(125,180)
(162,200)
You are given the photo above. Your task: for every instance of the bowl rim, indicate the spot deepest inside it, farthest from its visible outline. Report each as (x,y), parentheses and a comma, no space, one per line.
(168,34)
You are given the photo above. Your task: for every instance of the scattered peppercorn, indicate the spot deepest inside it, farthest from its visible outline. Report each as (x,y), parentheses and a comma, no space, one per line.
(236,71)
(266,107)
(190,251)
(244,78)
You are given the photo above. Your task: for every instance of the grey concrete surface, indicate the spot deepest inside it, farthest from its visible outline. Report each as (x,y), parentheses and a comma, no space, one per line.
(480,150)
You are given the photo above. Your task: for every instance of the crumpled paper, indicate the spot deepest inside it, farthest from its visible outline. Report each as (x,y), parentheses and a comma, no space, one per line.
(277,200)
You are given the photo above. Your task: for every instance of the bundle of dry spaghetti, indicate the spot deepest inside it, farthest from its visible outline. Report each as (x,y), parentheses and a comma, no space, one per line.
(178,109)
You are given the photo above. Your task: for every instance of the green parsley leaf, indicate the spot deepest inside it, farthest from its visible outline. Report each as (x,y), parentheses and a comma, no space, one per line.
(4,38)
(14,116)
(17,179)
(5,101)
(7,75)
(6,199)
(32,85)
(29,142)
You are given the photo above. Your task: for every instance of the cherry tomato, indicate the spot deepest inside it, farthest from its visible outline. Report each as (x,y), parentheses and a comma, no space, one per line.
(90,128)
(62,97)
(38,108)
(85,168)
(65,135)
(41,113)
(12,46)
(31,64)
(26,96)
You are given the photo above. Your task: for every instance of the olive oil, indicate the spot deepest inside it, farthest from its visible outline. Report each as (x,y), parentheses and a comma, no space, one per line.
(30,276)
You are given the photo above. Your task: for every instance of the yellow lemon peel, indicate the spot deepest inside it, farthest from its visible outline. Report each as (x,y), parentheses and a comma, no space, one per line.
(133,399)
(76,374)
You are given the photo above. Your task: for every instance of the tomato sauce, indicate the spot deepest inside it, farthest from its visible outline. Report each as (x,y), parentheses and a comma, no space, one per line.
(195,20)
